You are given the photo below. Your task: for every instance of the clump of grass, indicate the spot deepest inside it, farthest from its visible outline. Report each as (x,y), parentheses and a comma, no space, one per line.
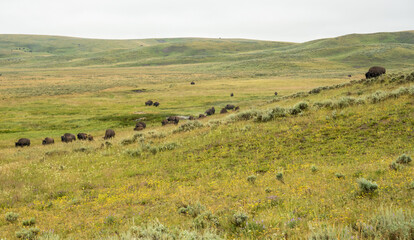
(127,141)
(29,222)
(133,152)
(271,114)
(110,220)
(339,175)
(314,169)
(192,210)
(239,219)
(330,232)
(188,126)
(390,224)
(251,179)
(279,177)
(396,166)
(243,116)
(28,234)
(367,186)
(205,220)
(403,159)
(155,134)
(268,190)
(11,217)
(411,186)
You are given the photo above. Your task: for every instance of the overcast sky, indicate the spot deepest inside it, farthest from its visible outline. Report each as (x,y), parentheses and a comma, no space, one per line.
(289,20)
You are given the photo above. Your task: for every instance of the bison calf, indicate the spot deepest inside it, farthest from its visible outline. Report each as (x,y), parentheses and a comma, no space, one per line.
(22,142)
(156,104)
(148,103)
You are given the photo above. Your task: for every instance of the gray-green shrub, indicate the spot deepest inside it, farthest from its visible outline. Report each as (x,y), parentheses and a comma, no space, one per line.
(188,126)
(11,217)
(367,186)
(403,159)
(239,219)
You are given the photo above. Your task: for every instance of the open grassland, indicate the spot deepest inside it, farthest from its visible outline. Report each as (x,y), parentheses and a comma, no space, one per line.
(274,169)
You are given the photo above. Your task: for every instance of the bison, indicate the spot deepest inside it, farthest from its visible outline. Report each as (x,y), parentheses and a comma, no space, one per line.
(192,83)
(275,93)
(201,116)
(374,72)
(90,137)
(164,122)
(22,142)
(48,140)
(140,126)
(210,111)
(231,95)
(68,137)
(148,103)
(82,136)
(191,118)
(349,75)
(109,133)
(224,110)
(229,106)
(156,104)
(173,119)
(237,108)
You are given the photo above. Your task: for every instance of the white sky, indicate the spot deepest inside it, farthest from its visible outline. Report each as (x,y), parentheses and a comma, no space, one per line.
(290,20)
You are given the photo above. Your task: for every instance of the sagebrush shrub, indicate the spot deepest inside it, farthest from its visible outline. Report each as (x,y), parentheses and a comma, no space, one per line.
(29,222)
(28,234)
(314,169)
(239,219)
(188,126)
(192,210)
(279,176)
(251,179)
(403,159)
(367,186)
(205,220)
(11,217)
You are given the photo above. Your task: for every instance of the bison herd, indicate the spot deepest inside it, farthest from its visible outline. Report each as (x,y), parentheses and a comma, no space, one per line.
(68,137)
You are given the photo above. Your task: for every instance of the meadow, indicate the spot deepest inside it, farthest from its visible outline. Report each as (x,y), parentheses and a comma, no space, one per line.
(283,167)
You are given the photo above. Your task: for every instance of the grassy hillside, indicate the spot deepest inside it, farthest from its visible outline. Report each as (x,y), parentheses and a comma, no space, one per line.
(302,164)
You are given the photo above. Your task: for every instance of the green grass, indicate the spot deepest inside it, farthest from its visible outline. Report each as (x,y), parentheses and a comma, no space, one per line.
(139,185)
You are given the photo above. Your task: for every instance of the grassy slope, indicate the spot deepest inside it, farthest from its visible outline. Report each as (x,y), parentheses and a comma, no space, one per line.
(73,188)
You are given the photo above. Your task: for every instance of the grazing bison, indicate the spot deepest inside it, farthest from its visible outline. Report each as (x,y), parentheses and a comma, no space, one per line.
(374,72)
(349,75)
(90,137)
(164,122)
(275,93)
(201,116)
(210,111)
(237,108)
(173,119)
(231,95)
(148,103)
(48,140)
(82,136)
(191,118)
(109,133)
(224,110)
(192,83)
(229,106)
(68,137)
(22,142)
(156,104)
(140,126)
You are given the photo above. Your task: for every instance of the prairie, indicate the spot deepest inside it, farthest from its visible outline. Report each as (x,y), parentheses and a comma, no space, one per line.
(292,175)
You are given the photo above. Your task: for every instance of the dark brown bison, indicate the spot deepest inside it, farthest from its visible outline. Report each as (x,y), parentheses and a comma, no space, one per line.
(68,137)
(237,108)
(90,137)
(140,126)
(192,83)
(275,93)
(164,122)
(156,104)
(374,72)
(48,140)
(229,106)
(201,116)
(148,103)
(210,111)
(224,110)
(109,133)
(173,119)
(349,75)
(82,136)
(22,142)
(231,95)
(191,118)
